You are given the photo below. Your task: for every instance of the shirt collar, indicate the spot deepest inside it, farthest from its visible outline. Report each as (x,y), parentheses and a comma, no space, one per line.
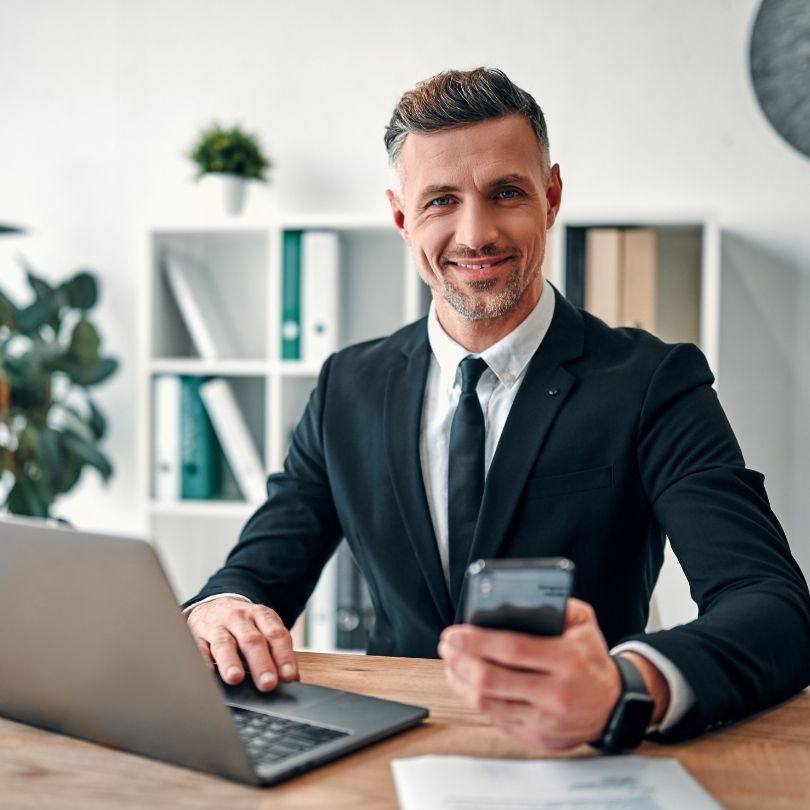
(508,357)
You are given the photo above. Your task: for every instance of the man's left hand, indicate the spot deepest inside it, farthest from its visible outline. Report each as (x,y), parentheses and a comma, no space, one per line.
(552,692)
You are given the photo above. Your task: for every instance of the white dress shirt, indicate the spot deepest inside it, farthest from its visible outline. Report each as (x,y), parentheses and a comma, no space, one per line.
(507,360)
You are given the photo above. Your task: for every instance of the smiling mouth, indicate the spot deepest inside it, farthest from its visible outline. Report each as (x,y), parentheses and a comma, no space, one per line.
(479,265)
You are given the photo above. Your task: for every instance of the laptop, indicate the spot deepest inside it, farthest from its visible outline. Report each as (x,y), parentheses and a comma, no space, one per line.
(93,645)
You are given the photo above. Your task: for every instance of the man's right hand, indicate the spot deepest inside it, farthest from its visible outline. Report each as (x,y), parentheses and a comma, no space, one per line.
(233,634)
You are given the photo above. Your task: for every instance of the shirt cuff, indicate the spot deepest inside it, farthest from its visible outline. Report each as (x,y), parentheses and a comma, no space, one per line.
(216,596)
(681,696)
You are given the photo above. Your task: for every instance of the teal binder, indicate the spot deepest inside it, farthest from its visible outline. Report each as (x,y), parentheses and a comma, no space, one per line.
(200,457)
(291,296)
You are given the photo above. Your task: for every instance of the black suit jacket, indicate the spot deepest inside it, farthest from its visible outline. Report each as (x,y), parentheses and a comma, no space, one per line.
(615,440)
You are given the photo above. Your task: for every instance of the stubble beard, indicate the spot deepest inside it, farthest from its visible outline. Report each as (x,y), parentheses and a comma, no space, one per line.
(482,307)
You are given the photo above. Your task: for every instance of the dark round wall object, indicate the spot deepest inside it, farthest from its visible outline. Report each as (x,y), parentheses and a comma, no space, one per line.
(780,68)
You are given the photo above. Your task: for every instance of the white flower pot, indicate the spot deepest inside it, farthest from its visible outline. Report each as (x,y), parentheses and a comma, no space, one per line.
(234,189)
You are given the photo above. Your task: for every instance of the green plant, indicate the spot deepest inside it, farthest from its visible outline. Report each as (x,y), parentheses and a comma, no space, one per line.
(50,428)
(229,151)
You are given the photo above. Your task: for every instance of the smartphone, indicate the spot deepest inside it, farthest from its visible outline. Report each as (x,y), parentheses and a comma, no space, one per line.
(524,595)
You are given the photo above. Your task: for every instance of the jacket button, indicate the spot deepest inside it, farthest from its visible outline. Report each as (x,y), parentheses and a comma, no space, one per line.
(552,392)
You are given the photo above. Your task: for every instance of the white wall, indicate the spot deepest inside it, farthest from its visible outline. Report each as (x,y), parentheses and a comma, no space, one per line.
(649,107)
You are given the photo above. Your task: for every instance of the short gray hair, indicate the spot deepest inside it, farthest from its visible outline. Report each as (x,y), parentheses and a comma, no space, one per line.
(458,97)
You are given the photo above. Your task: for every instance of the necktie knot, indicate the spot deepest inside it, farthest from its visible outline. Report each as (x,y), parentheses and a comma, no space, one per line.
(471,370)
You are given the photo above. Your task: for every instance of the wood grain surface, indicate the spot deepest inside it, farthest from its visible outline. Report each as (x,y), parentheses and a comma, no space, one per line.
(761,763)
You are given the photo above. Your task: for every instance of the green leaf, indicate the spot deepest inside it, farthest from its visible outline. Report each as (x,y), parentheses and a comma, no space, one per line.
(36,315)
(81,291)
(88,453)
(84,343)
(41,288)
(229,151)
(98,424)
(30,391)
(50,458)
(104,368)
(6,228)
(26,498)
(90,376)
(70,469)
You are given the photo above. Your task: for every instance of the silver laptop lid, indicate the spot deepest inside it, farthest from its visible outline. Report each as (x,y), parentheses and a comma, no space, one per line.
(92,644)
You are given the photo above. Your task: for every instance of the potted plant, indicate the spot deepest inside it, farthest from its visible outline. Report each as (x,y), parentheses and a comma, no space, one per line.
(233,154)
(50,428)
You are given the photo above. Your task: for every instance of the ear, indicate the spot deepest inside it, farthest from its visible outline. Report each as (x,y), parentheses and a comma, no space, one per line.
(553,195)
(398,213)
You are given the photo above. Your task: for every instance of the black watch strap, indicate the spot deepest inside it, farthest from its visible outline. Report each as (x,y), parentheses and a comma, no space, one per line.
(630,718)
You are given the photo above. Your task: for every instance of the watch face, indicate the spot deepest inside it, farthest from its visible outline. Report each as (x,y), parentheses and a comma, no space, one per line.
(780,68)
(631,724)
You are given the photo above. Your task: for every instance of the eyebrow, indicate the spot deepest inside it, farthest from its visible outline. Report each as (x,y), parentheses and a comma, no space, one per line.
(506,180)
(437,189)
(510,179)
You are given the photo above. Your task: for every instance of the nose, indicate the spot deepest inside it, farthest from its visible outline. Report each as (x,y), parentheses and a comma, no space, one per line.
(476,226)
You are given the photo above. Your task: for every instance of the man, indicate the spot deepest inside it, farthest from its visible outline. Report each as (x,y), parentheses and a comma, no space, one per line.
(596,443)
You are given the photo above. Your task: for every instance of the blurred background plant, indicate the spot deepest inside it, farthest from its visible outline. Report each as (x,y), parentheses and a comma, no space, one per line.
(50,427)
(229,151)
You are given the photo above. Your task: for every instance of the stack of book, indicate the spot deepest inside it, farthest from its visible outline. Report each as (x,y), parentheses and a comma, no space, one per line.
(612,272)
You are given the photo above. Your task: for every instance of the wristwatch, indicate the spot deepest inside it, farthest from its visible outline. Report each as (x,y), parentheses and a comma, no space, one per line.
(628,722)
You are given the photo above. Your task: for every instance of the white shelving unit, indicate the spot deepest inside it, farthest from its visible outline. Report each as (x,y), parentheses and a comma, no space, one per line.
(682,230)
(379,291)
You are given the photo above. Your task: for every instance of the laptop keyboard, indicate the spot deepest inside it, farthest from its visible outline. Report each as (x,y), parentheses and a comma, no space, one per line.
(269,738)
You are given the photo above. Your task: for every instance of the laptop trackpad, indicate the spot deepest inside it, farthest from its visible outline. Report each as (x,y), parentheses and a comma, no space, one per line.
(287,698)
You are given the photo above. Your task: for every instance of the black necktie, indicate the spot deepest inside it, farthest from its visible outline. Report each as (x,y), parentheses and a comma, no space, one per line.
(465,476)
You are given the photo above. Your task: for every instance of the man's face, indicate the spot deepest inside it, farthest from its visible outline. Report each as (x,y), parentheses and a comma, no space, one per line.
(474,205)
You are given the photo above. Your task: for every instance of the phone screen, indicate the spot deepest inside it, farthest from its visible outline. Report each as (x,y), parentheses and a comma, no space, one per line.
(528,598)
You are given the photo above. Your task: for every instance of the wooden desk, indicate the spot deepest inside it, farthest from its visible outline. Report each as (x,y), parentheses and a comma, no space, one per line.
(762,763)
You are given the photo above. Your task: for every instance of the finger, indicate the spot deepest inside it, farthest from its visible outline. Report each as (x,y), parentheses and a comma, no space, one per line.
(280,641)
(523,721)
(578,613)
(491,680)
(225,654)
(542,722)
(202,646)
(533,735)
(520,650)
(462,689)
(515,650)
(255,649)
(565,707)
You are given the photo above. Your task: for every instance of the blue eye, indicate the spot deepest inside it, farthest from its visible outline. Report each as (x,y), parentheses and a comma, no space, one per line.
(508,194)
(440,202)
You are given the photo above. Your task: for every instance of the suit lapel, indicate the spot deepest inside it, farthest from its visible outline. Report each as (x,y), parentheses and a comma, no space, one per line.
(402,422)
(541,396)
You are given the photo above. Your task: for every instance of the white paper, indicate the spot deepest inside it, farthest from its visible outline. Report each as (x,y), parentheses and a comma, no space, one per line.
(598,783)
